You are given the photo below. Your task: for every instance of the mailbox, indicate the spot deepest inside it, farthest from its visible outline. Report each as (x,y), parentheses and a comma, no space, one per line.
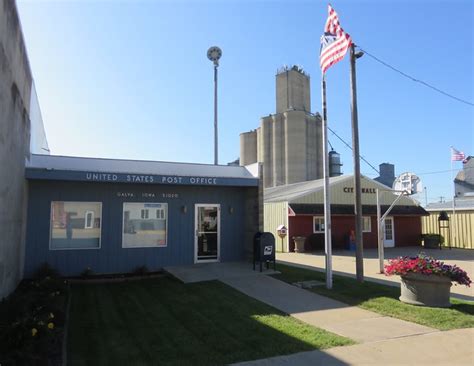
(282,231)
(263,249)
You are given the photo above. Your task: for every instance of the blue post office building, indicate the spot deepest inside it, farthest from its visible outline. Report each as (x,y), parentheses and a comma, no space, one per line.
(113,216)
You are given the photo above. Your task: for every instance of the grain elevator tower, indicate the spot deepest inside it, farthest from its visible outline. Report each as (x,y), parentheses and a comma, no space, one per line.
(288,143)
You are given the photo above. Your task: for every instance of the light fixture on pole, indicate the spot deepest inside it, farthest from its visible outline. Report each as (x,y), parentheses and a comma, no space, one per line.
(214,53)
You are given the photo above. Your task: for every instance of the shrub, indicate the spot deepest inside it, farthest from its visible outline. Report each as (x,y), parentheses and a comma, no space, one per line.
(88,272)
(44,271)
(141,270)
(437,237)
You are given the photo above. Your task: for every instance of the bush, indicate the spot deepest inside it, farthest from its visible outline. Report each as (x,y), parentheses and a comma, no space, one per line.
(88,272)
(141,270)
(45,271)
(438,237)
(31,323)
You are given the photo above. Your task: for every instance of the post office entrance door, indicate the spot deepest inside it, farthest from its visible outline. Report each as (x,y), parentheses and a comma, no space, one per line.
(207,233)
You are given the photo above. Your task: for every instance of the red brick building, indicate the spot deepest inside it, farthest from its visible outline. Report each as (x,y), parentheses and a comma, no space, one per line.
(300,208)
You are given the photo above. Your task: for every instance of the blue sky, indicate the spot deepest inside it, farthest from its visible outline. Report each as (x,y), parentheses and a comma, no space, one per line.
(130,79)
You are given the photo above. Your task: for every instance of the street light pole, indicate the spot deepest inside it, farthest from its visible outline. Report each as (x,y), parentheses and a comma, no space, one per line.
(357,183)
(214,54)
(216,150)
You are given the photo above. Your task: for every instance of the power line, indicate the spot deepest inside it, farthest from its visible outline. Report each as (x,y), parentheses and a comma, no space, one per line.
(378,173)
(417,80)
(445,171)
(350,147)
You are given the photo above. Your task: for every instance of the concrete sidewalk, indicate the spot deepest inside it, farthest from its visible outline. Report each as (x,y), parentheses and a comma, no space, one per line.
(344,264)
(382,339)
(334,316)
(216,271)
(454,347)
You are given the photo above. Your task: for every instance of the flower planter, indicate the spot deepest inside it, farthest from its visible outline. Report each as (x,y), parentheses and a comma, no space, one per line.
(299,244)
(426,290)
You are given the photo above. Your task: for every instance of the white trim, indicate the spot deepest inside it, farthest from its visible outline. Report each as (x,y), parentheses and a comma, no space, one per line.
(143,203)
(196,208)
(51,228)
(324,223)
(370,224)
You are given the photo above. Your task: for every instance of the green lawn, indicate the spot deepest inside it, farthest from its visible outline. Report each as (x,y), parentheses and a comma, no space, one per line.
(384,300)
(164,322)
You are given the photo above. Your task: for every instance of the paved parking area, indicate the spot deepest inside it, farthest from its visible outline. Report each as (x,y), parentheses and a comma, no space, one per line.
(344,264)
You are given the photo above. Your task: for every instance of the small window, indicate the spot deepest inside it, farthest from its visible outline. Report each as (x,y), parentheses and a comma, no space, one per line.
(318,224)
(160,214)
(89,220)
(142,231)
(75,225)
(366,224)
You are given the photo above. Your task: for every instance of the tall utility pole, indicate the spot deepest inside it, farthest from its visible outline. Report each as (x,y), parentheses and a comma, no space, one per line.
(357,184)
(327,195)
(214,54)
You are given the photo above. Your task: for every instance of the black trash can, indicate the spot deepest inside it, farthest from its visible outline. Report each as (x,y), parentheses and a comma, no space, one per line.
(264,249)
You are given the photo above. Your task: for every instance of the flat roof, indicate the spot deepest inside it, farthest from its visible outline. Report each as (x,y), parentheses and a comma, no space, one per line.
(461,204)
(55,167)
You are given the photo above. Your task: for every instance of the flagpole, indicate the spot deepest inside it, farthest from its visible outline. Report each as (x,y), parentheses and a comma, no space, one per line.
(327,203)
(454,204)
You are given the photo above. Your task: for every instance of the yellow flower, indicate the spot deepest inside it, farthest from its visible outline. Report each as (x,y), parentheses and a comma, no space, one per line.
(50,325)
(51,315)
(34,331)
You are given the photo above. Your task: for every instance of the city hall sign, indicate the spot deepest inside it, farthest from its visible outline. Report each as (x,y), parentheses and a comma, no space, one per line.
(364,190)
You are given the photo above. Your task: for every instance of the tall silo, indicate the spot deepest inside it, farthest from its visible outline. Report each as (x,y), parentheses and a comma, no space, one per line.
(248,147)
(334,164)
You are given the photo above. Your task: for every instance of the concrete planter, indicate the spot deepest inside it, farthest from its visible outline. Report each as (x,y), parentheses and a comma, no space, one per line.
(426,290)
(299,243)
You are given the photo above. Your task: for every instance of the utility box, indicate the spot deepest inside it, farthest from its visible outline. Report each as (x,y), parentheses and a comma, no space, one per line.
(264,249)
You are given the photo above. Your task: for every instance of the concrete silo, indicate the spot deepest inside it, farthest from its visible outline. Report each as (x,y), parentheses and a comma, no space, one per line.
(288,143)
(248,147)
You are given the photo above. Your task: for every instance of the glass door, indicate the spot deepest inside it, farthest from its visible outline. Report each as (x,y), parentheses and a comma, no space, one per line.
(389,240)
(207,233)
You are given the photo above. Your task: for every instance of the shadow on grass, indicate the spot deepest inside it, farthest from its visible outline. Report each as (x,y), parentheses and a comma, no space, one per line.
(162,321)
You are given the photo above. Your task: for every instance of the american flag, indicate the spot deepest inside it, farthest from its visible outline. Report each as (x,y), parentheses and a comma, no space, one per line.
(457,155)
(334,42)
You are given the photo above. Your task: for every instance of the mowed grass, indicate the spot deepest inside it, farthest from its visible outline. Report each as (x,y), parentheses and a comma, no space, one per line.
(383,300)
(164,322)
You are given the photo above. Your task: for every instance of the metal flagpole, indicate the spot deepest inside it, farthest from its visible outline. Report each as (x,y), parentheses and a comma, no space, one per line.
(327,203)
(357,183)
(380,243)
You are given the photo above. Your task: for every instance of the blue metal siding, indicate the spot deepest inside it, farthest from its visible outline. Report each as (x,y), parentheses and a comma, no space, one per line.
(111,257)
